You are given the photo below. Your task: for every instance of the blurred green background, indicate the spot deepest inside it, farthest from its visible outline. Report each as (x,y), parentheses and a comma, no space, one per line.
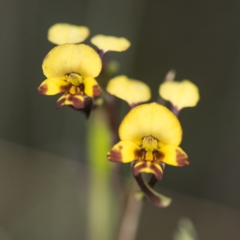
(43,181)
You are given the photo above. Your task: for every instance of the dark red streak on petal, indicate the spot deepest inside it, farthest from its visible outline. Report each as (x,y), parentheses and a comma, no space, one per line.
(115,155)
(43,89)
(97,91)
(181,159)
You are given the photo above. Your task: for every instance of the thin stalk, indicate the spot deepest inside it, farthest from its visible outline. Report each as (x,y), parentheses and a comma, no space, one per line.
(131,216)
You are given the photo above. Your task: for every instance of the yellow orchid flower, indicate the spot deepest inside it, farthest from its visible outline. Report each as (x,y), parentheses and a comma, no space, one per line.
(71,69)
(61,33)
(110,43)
(180,94)
(130,90)
(150,135)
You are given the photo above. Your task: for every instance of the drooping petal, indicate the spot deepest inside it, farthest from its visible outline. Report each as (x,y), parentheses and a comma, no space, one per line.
(124,151)
(151,120)
(91,87)
(157,199)
(52,86)
(130,90)
(77,101)
(61,33)
(110,43)
(180,94)
(148,167)
(71,58)
(174,155)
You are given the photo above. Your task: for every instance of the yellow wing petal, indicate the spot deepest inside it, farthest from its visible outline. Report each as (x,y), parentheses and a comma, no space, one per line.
(174,155)
(61,33)
(180,94)
(124,151)
(52,86)
(110,43)
(130,90)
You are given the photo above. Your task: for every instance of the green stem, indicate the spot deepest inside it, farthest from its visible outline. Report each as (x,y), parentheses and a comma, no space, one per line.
(100,216)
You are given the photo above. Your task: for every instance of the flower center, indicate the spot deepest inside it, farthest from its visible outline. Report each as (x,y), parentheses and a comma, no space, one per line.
(75,79)
(77,83)
(150,148)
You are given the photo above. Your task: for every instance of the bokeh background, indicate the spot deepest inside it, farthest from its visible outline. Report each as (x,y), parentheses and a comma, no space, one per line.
(43,180)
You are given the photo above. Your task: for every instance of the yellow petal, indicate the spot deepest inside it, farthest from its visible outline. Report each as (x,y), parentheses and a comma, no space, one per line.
(174,155)
(71,58)
(151,120)
(180,94)
(61,33)
(52,86)
(148,167)
(76,101)
(130,90)
(124,151)
(91,87)
(110,43)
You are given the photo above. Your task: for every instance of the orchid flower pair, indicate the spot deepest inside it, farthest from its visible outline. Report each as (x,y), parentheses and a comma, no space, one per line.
(150,134)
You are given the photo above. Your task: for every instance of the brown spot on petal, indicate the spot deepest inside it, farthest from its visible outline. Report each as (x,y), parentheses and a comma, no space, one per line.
(182,160)
(76,102)
(140,154)
(115,155)
(97,91)
(43,89)
(65,88)
(157,155)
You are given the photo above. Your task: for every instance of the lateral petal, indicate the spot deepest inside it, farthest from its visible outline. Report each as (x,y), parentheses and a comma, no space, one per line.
(174,156)
(124,151)
(91,87)
(52,86)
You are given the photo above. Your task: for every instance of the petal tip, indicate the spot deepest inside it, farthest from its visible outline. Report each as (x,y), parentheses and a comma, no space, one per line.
(115,155)
(181,159)
(43,89)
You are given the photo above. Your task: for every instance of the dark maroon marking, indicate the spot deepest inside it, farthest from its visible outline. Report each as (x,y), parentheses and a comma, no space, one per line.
(60,103)
(157,155)
(140,154)
(65,88)
(76,103)
(158,174)
(43,89)
(115,155)
(137,170)
(97,91)
(181,159)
